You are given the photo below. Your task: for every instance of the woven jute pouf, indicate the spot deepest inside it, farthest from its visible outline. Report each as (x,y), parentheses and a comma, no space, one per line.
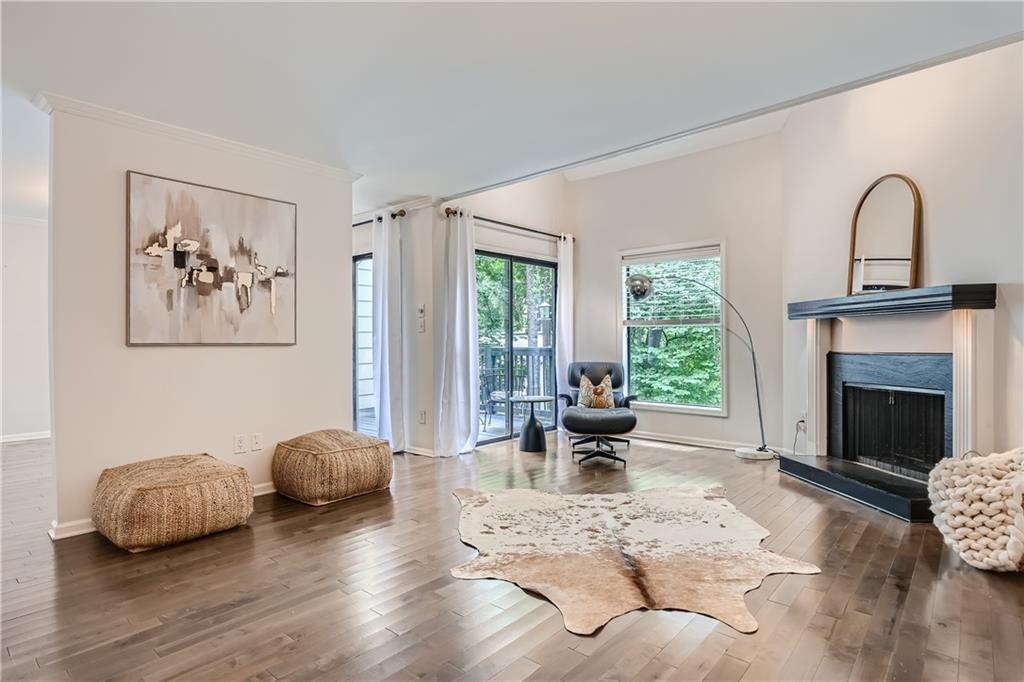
(162,501)
(326,466)
(977,502)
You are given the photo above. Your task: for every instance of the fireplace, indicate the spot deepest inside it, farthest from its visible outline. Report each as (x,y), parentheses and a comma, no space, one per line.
(890,419)
(877,422)
(893,428)
(891,411)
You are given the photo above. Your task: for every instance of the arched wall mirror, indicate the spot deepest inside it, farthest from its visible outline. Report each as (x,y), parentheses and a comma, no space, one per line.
(885,236)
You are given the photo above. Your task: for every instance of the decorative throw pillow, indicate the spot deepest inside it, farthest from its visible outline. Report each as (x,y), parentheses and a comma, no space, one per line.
(600,396)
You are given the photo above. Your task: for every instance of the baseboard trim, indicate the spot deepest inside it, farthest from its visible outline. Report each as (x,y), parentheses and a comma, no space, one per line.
(69,529)
(263,489)
(422,452)
(20,437)
(695,441)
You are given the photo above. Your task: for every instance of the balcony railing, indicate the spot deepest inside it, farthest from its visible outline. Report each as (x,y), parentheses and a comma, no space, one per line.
(532,373)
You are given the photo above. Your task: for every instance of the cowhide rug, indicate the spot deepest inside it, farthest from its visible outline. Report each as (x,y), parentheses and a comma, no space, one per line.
(596,557)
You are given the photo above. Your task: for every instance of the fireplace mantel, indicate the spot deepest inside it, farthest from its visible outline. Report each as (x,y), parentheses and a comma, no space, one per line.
(898,301)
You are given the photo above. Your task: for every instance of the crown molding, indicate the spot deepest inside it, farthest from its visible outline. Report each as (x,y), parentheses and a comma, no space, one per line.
(416,204)
(49,102)
(410,205)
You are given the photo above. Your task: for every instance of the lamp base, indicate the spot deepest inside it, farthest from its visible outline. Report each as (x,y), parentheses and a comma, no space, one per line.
(754,454)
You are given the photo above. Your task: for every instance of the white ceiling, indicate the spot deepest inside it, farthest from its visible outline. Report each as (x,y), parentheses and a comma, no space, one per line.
(437,99)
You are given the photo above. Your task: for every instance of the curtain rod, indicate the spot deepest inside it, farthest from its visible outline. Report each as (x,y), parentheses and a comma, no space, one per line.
(400,213)
(449,212)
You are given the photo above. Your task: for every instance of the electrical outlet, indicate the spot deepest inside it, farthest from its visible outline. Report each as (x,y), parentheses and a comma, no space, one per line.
(241,443)
(257,442)
(423,416)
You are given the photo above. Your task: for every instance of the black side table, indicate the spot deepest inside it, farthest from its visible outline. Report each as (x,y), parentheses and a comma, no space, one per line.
(531,437)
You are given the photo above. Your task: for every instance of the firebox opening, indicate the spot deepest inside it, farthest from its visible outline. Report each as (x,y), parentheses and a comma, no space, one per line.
(894,428)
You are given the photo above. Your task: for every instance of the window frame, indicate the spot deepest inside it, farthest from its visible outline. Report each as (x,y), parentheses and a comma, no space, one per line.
(660,251)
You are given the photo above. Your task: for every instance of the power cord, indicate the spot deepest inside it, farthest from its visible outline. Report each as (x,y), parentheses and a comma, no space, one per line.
(796,434)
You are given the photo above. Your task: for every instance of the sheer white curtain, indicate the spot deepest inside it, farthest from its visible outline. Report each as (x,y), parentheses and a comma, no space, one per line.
(458,422)
(564,315)
(387,329)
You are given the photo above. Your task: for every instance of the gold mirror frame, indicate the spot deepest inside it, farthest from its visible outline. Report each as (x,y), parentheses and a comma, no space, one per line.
(916,240)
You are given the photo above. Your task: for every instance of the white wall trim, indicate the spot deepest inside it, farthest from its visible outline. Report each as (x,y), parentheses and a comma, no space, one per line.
(671,408)
(266,488)
(49,102)
(69,529)
(964,382)
(422,452)
(21,437)
(695,442)
(819,343)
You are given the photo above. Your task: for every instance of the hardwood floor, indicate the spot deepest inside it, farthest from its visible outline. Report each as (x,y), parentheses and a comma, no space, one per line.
(360,590)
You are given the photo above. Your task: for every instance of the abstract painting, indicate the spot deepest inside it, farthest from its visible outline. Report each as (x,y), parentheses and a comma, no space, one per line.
(208,266)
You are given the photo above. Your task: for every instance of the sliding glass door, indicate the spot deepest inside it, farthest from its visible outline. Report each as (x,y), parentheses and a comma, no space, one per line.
(364,406)
(516,321)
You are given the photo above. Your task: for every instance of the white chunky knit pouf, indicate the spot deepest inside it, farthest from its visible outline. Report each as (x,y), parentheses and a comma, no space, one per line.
(977,506)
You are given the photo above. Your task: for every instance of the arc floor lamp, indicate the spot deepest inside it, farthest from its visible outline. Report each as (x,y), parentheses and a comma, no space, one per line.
(641,287)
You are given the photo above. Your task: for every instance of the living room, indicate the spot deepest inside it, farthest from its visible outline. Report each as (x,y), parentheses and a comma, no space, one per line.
(619,372)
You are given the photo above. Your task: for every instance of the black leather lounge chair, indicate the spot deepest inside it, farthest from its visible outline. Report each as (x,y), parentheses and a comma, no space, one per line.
(600,428)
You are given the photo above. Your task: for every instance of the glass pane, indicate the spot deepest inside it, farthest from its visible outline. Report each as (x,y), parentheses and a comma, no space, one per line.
(364,403)
(679,365)
(533,338)
(492,322)
(677,296)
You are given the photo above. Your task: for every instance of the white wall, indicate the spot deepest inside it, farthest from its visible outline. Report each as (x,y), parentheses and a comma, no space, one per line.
(114,404)
(957,130)
(731,194)
(26,343)
(418,244)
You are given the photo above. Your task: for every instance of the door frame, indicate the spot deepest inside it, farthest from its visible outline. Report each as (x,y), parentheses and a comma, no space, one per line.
(510,259)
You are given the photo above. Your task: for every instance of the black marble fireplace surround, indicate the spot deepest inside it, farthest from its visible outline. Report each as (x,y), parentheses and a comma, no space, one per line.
(901,434)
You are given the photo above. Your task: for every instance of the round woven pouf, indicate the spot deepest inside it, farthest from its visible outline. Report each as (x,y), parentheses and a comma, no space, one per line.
(977,502)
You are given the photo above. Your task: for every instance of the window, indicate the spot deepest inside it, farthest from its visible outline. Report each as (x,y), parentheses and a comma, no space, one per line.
(364,405)
(673,339)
